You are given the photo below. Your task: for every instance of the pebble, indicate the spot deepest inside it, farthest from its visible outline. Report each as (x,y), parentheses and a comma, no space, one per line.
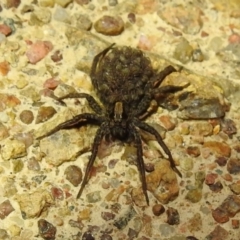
(45,113)
(219,233)
(5,29)
(82,21)
(88,236)
(186,164)
(123,220)
(233,165)
(57,193)
(172,216)
(38,50)
(8,101)
(235,223)
(235,187)
(109,25)
(57,56)
(228,126)
(194,107)
(105,237)
(132,18)
(63,3)
(166,230)
(40,17)
(17,165)
(183,51)
(221,161)
(5,209)
(94,197)
(12,148)
(73,175)
(4,68)
(210,178)
(195,223)
(219,148)
(216,187)
(31,92)
(46,230)
(3,131)
(164,175)
(12,3)
(41,198)
(61,15)
(3,233)
(107,216)
(197,55)
(26,116)
(193,151)
(168,122)
(229,208)
(194,195)
(158,209)
(186,18)
(33,164)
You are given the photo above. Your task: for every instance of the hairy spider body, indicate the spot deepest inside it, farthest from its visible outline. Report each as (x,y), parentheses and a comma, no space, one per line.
(126,84)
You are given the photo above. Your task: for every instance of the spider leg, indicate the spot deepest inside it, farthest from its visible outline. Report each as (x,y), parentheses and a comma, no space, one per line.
(96,60)
(140,161)
(157,80)
(92,102)
(144,126)
(73,122)
(97,140)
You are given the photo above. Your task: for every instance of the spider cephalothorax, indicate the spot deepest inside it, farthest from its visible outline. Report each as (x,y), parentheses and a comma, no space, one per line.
(126,84)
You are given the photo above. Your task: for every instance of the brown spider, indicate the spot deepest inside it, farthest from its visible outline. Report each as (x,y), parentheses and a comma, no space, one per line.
(126,85)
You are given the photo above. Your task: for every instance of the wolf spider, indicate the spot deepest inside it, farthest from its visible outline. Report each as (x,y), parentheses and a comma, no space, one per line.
(126,85)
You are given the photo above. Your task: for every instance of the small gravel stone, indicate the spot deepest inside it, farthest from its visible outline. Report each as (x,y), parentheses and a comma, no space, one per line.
(197,55)
(195,223)
(73,175)
(3,131)
(42,200)
(82,21)
(149,167)
(12,3)
(57,56)
(228,126)
(40,17)
(132,18)
(61,15)
(158,209)
(88,236)
(106,237)
(122,221)
(109,25)
(33,164)
(38,51)
(221,161)
(235,187)
(219,148)
(5,29)
(132,233)
(12,148)
(193,151)
(194,195)
(26,116)
(218,233)
(112,2)
(216,187)
(168,122)
(57,193)
(172,216)
(183,51)
(186,164)
(17,165)
(46,230)
(112,163)
(233,165)
(229,208)
(107,216)
(94,197)
(210,178)
(5,209)
(235,223)
(45,113)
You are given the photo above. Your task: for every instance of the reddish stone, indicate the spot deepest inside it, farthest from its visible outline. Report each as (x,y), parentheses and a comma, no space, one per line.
(219,148)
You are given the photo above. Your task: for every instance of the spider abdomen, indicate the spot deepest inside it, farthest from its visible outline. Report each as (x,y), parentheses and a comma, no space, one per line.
(122,75)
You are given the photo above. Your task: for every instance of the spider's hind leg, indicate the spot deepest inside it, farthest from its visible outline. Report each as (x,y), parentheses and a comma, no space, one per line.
(144,126)
(101,132)
(140,162)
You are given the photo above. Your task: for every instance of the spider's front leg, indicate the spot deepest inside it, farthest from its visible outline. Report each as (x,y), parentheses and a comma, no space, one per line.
(80,118)
(92,102)
(144,126)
